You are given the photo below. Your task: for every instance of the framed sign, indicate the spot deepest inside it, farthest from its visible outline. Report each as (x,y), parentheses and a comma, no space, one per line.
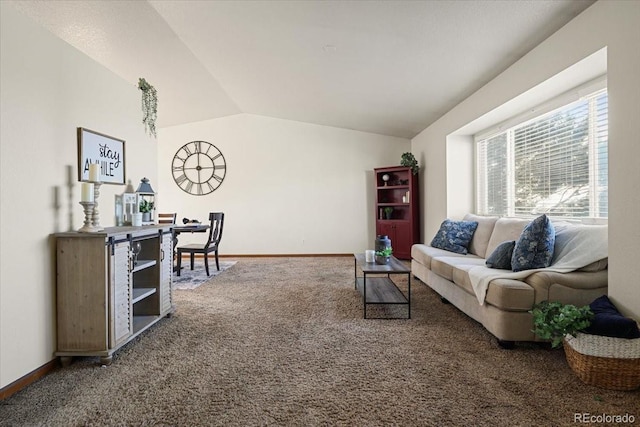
(108,152)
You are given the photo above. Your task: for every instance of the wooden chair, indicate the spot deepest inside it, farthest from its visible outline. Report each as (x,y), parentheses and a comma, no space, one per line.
(216,220)
(167,218)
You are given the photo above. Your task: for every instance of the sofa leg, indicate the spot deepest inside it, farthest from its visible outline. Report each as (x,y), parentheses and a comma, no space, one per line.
(444,300)
(506,345)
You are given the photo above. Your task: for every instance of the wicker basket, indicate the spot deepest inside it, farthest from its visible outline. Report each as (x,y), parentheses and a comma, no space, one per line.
(611,363)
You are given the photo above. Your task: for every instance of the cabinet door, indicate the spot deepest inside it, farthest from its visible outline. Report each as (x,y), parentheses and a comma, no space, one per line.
(121,316)
(385,228)
(166,273)
(403,239)
(400,234)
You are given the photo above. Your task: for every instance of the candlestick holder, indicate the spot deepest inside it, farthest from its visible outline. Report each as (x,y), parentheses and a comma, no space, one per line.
(95,218)
(88,218)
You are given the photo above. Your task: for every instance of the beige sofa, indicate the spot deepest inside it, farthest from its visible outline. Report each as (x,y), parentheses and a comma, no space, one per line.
(504,311)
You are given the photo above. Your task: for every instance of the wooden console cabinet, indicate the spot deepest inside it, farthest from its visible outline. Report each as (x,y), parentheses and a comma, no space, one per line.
(104,300)
(399,196)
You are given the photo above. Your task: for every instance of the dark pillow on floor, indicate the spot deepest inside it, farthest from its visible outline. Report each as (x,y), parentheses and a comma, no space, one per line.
(609,322)
(501,256)
(454,236)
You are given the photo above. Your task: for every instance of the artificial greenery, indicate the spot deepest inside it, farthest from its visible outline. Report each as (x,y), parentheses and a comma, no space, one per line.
(146,206)
(409,160)
(554,320)
(149,106)
(385,252)
(388,211)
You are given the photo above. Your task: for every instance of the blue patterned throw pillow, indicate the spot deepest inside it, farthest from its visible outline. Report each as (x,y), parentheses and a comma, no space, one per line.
(501,256)
(534,248)
(454,236)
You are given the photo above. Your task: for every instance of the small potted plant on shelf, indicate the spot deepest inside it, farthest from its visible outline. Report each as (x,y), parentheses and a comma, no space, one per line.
(387,212)
(383,256)
(554,320)
(146,207)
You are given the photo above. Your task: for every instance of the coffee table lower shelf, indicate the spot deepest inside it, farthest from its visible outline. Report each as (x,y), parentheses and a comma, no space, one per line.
(381,290)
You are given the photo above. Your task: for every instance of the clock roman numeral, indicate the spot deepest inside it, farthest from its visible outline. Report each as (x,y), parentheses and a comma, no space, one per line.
(188,186)
(198,146)
(182,178)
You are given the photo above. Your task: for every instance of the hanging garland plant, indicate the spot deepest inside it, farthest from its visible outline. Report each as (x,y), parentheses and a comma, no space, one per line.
(149,106)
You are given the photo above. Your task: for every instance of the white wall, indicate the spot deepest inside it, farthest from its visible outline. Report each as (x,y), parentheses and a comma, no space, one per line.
(290,187)
(47,90)
(618,30)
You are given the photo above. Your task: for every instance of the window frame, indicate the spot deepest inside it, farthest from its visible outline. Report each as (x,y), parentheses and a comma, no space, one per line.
(589,89)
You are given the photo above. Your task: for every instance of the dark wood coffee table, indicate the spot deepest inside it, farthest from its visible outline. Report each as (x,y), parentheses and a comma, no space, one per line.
(381,290)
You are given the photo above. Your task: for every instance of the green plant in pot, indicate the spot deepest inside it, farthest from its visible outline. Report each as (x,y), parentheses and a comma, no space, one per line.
(554,320)
(383,256)
(409,160)
(146,207)
(387,212)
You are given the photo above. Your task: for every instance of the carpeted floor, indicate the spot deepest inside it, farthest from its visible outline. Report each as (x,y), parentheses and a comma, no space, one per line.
(282,341)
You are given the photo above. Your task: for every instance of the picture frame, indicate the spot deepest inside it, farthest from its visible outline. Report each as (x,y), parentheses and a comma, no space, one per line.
(107,151)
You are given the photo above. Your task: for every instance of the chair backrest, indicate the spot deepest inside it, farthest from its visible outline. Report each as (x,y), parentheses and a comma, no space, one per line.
(167,218)
(216,220)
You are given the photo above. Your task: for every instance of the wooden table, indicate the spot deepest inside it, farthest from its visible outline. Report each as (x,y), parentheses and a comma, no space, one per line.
(381,290)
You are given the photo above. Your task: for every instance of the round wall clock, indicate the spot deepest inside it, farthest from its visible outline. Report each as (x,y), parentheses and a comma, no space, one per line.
(198,168)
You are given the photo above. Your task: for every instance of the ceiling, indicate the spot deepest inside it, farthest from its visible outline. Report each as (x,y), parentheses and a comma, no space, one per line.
(387,67)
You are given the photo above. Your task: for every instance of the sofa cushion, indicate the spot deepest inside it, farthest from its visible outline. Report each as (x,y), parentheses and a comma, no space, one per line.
(506,229)
(609,322)
(501,257)
(478,245)
(424,254)
(454,236)
(444,266)
(505,294)
(534,247)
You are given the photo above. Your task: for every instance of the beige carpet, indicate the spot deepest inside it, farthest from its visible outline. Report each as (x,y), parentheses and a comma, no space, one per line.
(281,341)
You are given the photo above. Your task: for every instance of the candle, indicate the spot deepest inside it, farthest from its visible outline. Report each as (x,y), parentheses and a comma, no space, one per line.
(87,192)
(94,172)
(69,175)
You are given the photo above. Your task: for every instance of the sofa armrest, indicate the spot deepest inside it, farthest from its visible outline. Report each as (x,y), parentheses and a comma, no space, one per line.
(571,288)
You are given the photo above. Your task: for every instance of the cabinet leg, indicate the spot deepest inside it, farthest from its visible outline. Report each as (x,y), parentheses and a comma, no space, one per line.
(106,360)
(65,361)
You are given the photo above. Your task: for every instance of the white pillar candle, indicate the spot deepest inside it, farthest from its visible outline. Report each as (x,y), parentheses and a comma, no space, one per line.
(94,172)
(87,192)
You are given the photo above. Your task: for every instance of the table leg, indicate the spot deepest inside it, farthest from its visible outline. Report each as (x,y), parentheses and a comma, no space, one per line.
(364,295)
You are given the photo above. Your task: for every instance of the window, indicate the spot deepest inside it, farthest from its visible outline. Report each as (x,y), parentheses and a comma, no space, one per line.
(555,163)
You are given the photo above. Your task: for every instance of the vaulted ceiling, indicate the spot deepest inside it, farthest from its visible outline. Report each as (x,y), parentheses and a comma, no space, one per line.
(387,67)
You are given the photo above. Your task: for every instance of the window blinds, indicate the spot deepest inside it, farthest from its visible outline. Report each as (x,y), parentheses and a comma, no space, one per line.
(555,164)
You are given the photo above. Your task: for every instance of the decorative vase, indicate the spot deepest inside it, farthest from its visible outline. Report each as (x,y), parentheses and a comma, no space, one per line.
(382,242)
(146,216)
